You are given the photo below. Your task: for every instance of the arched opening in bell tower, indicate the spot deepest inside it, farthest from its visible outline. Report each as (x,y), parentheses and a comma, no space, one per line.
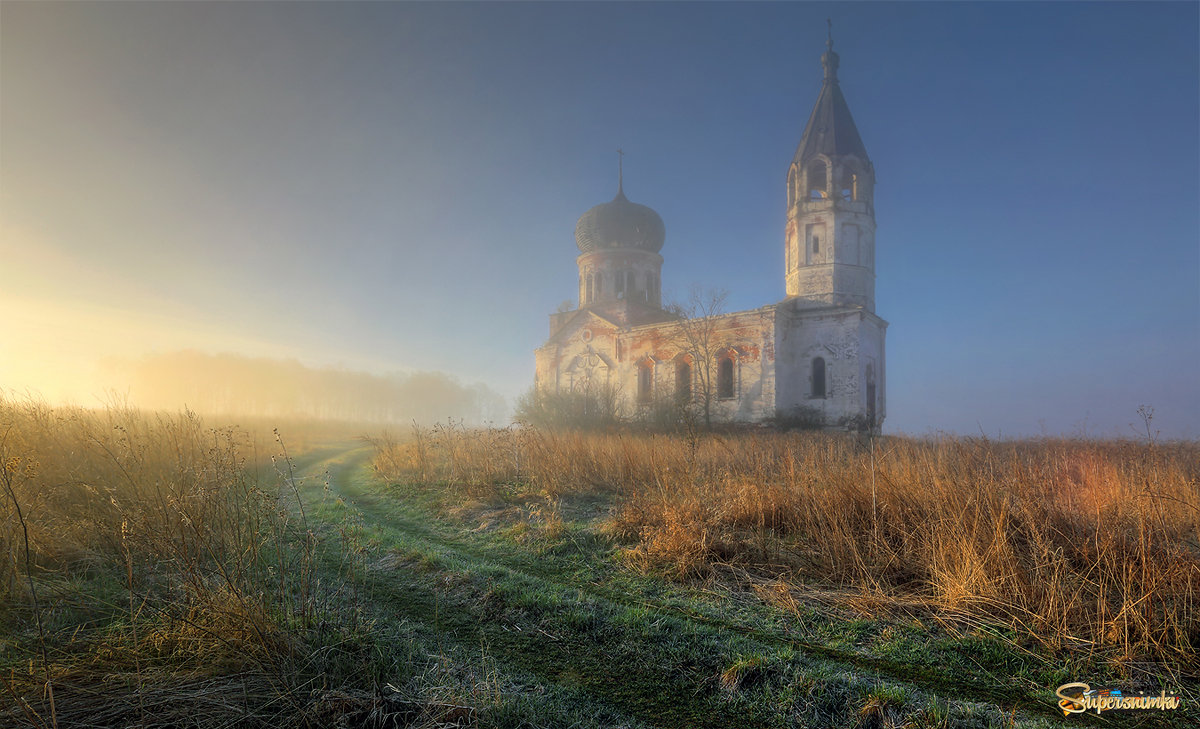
(817,177)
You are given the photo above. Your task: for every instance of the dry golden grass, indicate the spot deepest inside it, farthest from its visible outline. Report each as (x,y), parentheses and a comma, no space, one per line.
(158,495)
(143,544)
(1072,542)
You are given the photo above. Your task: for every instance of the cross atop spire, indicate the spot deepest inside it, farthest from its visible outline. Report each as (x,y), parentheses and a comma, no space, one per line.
(829,59)
(620,171)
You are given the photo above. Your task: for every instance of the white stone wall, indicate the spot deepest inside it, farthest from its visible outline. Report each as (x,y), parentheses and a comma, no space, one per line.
(841,270)
(773,349)
(873,364)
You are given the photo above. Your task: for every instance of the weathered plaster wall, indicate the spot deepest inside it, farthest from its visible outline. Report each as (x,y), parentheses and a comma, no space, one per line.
(851,343)
(772,348)
(840,269)
(747,337)
(645,285)
(590,349)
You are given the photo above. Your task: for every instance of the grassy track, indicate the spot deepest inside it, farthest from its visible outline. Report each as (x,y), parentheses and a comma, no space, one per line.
(569,634)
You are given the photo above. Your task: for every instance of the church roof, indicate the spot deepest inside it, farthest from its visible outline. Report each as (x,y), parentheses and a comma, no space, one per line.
(830,129)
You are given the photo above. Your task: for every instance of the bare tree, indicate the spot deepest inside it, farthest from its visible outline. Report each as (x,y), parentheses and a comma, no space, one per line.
(696,334)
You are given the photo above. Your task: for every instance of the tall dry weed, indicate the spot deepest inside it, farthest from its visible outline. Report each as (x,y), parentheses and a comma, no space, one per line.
(1072,541)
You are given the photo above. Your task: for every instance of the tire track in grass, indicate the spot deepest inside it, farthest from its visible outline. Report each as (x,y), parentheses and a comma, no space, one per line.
(465,613)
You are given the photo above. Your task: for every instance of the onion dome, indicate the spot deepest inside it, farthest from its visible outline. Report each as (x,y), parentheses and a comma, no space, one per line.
(620,224)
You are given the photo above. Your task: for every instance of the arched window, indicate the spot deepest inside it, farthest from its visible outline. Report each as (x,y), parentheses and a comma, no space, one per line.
(725,377)
(645,381)
(599,285)
(683,381)
(619,285)
(816,243)
(590,288)
(818,377)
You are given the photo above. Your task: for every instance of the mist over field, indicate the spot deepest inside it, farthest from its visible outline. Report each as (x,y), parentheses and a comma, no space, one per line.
(384,187)
(231,384)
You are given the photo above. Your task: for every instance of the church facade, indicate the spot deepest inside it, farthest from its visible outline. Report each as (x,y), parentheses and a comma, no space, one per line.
(817,355)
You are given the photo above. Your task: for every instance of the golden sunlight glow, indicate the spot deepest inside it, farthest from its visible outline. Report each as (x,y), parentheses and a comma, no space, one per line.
(55,348)
(64,317)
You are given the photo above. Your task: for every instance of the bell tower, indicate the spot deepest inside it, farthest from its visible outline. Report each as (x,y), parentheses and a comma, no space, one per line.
(830,238)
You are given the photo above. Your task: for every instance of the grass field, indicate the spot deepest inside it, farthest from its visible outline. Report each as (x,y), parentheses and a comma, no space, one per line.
(176,574)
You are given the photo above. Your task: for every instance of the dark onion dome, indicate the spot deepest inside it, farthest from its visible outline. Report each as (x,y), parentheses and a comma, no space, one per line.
(620,224)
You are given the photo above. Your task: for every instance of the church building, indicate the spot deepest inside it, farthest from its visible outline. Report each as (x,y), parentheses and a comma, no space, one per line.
(816,356)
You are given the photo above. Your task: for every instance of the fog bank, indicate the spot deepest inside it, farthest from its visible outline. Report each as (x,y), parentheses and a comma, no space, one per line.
(232,384)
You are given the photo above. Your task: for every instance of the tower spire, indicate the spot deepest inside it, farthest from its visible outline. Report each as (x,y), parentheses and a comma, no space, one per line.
(620,173)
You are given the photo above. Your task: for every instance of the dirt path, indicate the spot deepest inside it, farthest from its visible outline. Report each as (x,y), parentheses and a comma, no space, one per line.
(652,661)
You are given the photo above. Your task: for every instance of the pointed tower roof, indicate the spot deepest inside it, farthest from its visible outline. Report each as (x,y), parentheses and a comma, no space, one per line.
(830,129)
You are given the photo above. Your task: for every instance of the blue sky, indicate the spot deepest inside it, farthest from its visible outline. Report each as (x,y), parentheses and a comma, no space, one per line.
(394,186)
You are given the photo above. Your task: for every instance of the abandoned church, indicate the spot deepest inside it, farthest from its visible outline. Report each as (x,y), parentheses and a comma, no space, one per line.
(817,355)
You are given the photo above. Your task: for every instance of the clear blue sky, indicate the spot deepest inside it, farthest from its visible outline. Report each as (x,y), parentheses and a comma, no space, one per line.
(393,186)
